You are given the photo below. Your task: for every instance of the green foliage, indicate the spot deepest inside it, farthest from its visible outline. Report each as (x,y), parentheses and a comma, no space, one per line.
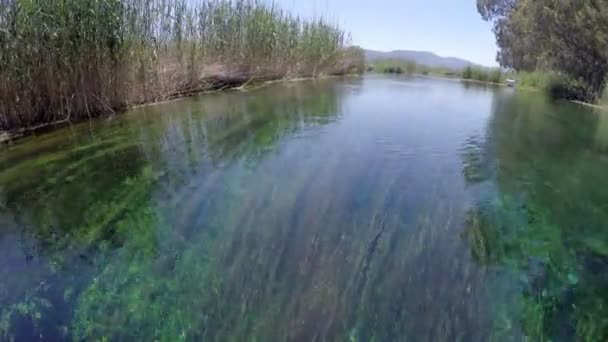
(554,84)
(492,75)
(603,101)
(496,76)
(535,80)
(393,70)
(553,244)
(352,61)
(467,73)
(391,66)
(397,66)
(60,61)
(568,37)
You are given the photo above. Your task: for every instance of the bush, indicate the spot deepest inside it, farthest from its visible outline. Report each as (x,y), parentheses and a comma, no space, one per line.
(393,70)
(467,73)
(603,100)
(495,76)
(482,74)
(394,66)
(566,88)
(536,80)
(557,86)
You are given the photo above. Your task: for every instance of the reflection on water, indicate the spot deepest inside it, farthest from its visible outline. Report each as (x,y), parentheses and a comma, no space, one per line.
(547,223)
(349,209)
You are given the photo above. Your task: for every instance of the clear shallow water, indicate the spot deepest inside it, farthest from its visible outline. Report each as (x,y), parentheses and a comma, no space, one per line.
(365,209)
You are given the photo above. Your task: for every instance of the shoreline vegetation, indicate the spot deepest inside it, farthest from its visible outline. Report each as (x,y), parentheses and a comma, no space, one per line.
(469,73)
(561,43)
(249,84)
(553,84)
(64,61)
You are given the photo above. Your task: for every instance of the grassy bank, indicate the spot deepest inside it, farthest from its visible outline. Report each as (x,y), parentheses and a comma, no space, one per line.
(68,60)
(472,73)
(490,75)
(558,86)
(396,66)
(534,80)
(555,85)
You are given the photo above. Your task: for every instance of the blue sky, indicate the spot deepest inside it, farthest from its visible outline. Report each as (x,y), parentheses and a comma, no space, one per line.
(446,27)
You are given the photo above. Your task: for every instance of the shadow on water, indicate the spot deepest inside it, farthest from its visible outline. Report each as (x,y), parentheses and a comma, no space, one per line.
(353,209)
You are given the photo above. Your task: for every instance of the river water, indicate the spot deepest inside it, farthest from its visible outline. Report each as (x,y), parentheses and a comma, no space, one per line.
(357,209)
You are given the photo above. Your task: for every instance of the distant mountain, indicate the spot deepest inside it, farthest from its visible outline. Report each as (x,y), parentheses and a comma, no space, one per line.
(420,57)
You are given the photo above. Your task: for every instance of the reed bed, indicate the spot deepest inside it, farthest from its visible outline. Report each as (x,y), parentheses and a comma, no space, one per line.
(66,60)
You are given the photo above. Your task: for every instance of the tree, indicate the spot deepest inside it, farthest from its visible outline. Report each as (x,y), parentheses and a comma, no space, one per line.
(495,76)
(467,73)
(566,36)
(410,67)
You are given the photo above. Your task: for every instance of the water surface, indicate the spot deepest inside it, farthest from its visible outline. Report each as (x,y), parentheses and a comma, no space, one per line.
(363,209)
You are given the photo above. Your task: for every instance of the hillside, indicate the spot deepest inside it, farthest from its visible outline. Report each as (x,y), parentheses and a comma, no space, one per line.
(420,57)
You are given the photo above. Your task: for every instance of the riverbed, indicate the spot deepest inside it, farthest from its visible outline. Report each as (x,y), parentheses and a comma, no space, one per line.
(380,208)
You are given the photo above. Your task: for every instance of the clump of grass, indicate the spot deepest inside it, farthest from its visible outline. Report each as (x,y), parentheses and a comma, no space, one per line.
(393,66)
(66,60)
(393,70)
(474,73)
(398,66)
(535,80)
(558,86)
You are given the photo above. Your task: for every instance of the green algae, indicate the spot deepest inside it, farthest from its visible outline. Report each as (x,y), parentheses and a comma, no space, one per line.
(312,211)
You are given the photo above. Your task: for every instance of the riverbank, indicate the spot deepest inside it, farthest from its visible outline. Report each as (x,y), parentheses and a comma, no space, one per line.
(153,213)
(213,84)
(87,59)
(536,89)
(448,78)
(519,87)
(467,80)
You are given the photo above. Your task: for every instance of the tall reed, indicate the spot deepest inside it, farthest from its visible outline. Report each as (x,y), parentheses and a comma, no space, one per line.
(67,59)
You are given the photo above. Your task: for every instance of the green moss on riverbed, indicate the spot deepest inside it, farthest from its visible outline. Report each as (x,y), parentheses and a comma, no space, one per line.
(292,213)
